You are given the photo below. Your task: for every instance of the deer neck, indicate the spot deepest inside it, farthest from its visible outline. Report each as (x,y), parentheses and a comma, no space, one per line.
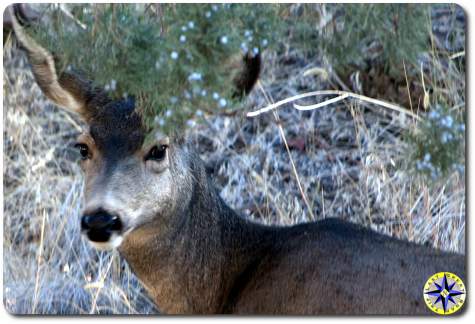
(193,269)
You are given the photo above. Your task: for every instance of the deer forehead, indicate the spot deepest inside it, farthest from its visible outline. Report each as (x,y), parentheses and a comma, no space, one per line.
(117,127)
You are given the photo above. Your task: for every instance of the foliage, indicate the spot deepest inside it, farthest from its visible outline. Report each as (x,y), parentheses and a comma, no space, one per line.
(175,59)
(361,35)
(438,144)
(178,60)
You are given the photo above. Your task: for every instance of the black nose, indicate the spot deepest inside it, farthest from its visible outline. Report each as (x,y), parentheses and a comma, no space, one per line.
(100,225)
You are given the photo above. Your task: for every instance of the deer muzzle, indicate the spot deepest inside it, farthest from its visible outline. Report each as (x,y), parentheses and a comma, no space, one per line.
(100,226)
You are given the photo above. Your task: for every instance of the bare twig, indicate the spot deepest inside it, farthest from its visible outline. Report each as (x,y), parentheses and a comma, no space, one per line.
(456,55)
(40,256)
(407,86)
(64,10)
(322,104)
(99,285)
(294,169)
(342,95)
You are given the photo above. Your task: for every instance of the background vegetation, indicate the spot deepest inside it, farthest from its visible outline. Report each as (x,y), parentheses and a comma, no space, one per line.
(400,173)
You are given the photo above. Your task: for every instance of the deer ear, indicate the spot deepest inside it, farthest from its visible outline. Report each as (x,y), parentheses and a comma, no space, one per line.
(68,90)
(248,75)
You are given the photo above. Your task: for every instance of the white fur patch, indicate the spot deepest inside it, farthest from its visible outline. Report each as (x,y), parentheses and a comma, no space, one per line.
(114,242)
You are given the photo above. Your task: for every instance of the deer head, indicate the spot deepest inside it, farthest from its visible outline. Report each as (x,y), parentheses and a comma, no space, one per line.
(132,176)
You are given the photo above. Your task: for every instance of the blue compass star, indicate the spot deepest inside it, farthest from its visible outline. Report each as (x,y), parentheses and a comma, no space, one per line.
(444,293)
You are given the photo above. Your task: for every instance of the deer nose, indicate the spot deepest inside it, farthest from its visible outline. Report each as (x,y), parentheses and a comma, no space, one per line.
(100,225)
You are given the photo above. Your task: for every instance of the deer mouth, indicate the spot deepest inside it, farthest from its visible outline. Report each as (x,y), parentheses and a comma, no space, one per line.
(102,229)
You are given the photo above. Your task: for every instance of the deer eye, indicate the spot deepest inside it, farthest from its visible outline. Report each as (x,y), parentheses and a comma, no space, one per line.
(83,151)
(157,153)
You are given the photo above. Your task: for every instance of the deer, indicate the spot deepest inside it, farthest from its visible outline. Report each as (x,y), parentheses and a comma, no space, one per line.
(154,202)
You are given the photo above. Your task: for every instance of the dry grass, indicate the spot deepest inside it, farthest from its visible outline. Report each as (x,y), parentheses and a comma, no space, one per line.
(352,165)
(348,156)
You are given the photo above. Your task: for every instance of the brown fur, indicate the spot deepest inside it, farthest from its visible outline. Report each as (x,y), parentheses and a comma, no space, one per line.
(248,75)
(213,261)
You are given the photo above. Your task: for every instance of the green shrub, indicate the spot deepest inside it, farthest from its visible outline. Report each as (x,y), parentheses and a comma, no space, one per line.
(175,58)
(176,62)
(358,35)
(438,144)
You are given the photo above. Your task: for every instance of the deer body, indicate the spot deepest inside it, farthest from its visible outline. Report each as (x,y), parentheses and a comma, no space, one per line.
(214,261)
(154,202)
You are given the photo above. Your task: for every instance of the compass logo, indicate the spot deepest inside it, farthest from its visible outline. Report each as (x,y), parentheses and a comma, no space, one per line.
(444,293)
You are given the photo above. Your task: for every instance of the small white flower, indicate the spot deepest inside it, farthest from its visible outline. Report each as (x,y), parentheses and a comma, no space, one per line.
(427,157)
(208,14)
(190,123)
(125,95)
(184,29)
(430,166)
(204,93)
(419,165)
(214,7)
(222,102)
(173,100)
(265,42)
(250,38)
(168,113)
(174,55)
(224,39)
(187,94)
(199,113)
(247,33)
(443,138)
(107,87)
(446,137)
(113,84)
(182,38)
(191,24)
(255,50)
(194,76)
(449,121)
(433,114)
(159,121)
(215,95)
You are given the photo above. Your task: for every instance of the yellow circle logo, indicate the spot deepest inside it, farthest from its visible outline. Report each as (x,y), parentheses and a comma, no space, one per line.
(444,293)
